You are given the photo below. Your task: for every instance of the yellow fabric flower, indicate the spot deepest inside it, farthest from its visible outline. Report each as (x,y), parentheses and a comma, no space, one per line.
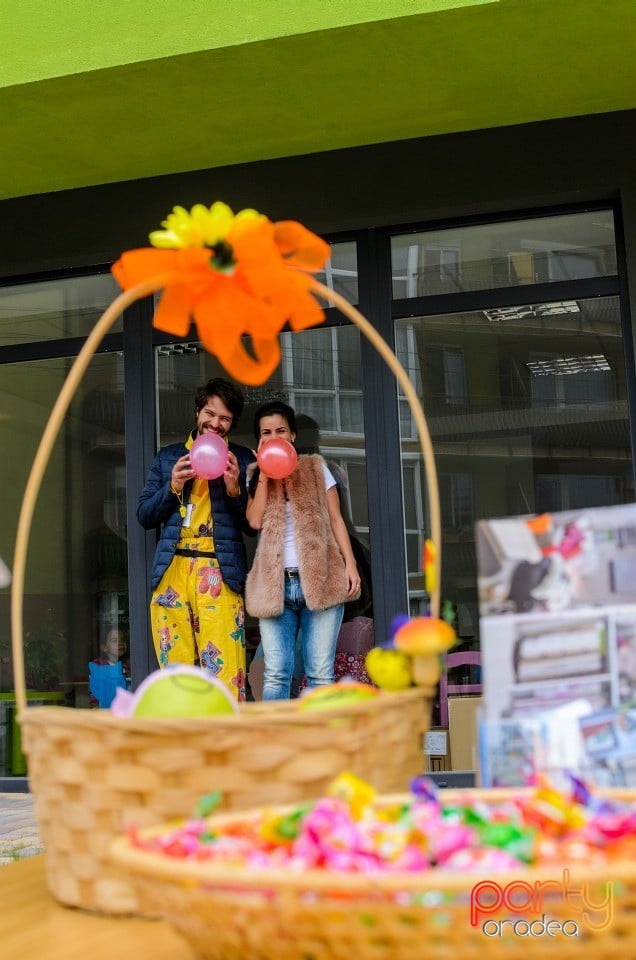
(200,227)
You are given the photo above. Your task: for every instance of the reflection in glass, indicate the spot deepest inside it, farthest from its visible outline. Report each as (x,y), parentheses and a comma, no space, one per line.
(55,309)
(504,254)
(341,272)
(324,370)
(527,412)
(76,586)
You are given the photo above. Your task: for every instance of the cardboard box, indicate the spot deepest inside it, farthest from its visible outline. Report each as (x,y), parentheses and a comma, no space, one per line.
(463,724)
(437,764)
(436,752)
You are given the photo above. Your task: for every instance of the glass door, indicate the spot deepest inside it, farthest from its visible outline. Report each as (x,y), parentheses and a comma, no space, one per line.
(512,335)
(76,585)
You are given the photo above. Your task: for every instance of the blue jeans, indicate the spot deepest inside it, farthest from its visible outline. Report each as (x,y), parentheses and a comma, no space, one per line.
(319,630)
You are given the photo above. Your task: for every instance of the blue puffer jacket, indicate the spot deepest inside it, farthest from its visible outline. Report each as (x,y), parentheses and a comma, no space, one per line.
(158,507)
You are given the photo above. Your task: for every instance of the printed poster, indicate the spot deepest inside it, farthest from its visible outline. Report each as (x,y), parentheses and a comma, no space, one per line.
(557,598)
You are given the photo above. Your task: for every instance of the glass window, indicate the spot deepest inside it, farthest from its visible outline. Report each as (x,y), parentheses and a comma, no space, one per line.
(351,414)
(323,370)
(414,521)
(76,587)
(527,413)
(341,272)
(556,380)
(55,309)
(457,502)
(574,491)
(349,370)
(506,254)
(305,358)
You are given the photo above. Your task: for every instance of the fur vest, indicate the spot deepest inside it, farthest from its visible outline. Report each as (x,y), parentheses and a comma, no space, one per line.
(320,564)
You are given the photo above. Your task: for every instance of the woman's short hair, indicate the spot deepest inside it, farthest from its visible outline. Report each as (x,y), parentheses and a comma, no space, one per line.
(271,408)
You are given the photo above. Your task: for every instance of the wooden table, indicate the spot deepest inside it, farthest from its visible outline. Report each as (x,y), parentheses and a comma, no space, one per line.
(33,926)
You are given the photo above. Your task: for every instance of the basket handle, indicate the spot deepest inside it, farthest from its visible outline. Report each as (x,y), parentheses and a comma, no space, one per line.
(73,379)
(43,453)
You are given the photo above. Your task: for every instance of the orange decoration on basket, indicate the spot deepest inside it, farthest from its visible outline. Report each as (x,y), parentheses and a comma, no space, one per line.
(429,554)
(235,276)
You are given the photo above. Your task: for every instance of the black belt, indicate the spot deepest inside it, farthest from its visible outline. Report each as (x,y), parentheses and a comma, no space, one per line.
(186,552)
(292,573)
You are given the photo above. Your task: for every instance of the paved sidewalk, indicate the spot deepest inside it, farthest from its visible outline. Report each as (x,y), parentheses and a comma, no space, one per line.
(18,830)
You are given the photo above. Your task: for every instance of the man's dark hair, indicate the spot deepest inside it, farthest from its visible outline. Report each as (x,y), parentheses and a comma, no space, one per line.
(231,396)
(271,408)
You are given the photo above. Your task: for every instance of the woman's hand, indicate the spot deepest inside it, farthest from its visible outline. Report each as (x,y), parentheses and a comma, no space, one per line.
(353,579)
(181,473)
(340,532)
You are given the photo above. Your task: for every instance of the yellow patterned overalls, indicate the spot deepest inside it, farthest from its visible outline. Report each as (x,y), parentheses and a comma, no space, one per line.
(194,615)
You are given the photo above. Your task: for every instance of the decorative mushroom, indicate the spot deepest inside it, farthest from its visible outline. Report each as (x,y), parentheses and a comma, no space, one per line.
(424,639)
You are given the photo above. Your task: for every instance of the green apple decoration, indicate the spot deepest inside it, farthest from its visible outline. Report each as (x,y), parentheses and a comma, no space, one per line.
(182,691)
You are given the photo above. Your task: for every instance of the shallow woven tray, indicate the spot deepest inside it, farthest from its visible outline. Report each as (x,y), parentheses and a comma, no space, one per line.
(232,913)
(93,774)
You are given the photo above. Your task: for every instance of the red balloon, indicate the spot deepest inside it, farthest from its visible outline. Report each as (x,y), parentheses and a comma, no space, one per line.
(209,456)
(277,459)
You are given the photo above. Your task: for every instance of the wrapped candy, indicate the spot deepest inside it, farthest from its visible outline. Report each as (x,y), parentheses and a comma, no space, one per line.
(354,830)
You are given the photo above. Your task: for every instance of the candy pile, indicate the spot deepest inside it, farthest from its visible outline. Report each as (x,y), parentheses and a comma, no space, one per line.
(352,830)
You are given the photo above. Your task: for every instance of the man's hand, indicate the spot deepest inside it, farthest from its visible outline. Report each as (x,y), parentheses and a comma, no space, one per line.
(181,473)
(231,476)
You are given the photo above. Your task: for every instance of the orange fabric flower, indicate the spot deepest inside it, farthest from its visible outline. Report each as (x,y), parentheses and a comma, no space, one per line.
(235,276)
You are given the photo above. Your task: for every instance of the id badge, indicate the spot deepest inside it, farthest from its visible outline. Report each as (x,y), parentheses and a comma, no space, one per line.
(187,515)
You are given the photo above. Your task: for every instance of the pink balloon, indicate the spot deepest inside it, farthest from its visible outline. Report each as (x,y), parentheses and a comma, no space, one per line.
(208,456)
(277,459)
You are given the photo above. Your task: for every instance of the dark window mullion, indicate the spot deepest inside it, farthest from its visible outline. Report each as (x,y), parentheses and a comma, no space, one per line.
(474,300)
(627,330)
(140,419)
(54,349)
(382,433)
(496,217)
(43,276)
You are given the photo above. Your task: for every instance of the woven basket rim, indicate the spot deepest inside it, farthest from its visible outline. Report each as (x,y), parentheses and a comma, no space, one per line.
(256,879)
(274,712)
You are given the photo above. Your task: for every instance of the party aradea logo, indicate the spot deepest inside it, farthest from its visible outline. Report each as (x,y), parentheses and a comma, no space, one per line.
(524,909)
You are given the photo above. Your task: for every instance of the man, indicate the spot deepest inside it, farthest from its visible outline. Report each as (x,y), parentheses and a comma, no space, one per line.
(199,568)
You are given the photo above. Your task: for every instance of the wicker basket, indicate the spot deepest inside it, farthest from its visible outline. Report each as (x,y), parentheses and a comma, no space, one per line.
(93,774)
(232,913)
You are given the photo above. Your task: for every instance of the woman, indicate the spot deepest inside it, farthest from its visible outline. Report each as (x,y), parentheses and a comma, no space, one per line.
(304,569)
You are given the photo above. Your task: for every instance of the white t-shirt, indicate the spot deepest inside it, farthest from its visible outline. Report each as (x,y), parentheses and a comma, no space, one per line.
(290,557)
